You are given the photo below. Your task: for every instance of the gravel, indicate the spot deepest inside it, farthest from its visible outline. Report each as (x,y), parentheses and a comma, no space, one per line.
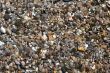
(54,36)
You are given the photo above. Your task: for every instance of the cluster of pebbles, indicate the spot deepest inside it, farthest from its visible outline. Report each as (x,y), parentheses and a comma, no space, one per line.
(54,36)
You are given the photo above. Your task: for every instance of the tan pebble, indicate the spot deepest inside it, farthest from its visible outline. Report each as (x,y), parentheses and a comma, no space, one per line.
(70,18)
(26,18)
(81,49)
(8,31)
(33,63)
(19,71)
(103,46)
(51,36)
(44,37)
(17,54)
(7,71)
(43,52)
(74,58)
(51,42)
(54,71)
(27,66)
(104,33)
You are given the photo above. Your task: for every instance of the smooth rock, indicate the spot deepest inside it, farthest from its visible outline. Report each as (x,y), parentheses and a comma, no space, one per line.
(2,30)
(81,49)
(1,43)
(44,37)
(108,28)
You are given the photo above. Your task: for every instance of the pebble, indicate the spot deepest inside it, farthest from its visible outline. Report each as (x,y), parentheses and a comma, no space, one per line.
(7,67)
(51,36)
(108,3)
(2,30)
(1,43)
(44,37)
(81,49)
(108,28)
(86,45)
(23,63)
(34,48)
(37,69)
(26,18)
(67,0)
(93,67)
(78,32)
(43,52)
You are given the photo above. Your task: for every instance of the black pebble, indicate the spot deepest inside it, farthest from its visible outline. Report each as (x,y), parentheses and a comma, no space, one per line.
(6,17)
(67,0)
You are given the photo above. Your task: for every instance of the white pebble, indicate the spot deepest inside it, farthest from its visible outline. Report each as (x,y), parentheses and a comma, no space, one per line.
(34,49)
(79,32)
(51,42)
(2,30)
(54,36)
(103,5)
(57,64)
(86,45)
(27,18)
(1,43)
(108,28)
(36,69)
(7,67)
(93,67)
(44,37)
(43,52)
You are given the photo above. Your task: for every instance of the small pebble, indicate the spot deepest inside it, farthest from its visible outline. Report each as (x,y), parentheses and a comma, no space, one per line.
(2,30)
(108,28)
(81,49)
(44,37)
(1,43)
